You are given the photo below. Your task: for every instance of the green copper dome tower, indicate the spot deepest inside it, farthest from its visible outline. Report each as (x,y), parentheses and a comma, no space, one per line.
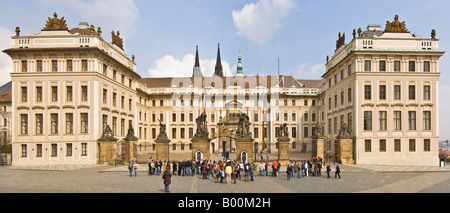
(239,65)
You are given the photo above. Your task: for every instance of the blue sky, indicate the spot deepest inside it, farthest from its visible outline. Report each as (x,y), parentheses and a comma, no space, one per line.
(163,34)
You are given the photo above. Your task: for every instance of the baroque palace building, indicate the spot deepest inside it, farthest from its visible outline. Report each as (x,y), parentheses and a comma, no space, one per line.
(68,85)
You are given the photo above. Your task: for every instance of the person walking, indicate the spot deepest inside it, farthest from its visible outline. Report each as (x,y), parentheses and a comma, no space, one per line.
(328,170)
(338,172)
(252,172)
(167,179)
(260,168)
(266,166)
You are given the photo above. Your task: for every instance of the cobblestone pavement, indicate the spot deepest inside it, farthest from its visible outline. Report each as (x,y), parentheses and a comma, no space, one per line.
(116,179)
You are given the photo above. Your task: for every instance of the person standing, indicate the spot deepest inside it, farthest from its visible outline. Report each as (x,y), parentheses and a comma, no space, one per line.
(130,167)
(228,171)
(167,179)
(174,167)
(252,172)
(204,170)
(135,167)
(288,172)
(328,170)
(274,168)
(266,168)
(338,171)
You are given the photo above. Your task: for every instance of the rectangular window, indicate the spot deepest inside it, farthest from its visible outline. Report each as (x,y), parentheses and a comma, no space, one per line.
(383,121)
(54,93)
(412,92)
(305,116)
(305,132)
(426,92)
(367,145)
(105,70)
(69,123)
(69,65)
(69,149)
(122,127)
(191,132)
(24,150)
(397,145)
(256,132)
(396,66)
(24,94)
(367,65)
(174,133)
(382,145)
(38,150)
(54,123)
(39,124)
(349,95)
(114,99)
(84,93)
(54,150)
(349,120)
(294,132)
(84,65)
(412,145)
(397,120)
(412,120)
(114,125)
(335,125)
(426,66)
(397,92)
(342,98)
(104,121)
(367,120)
(105,95)
(24,124)
(427,120)
(69,93)
(38,65)
(39,94)
(24,66)
(367,92)
(83,149)
(54,65)
(114,75)
(382,66)
(349,70)
(412,66)
(84,123)
(426,145)
(382,92)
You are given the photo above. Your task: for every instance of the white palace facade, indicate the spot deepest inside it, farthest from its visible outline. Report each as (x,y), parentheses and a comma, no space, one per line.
(69,84)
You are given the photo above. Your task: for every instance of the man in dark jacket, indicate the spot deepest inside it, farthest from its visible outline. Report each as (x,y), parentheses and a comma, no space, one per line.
(338,171)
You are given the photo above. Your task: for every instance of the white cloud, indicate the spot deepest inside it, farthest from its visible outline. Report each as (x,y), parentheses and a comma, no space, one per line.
(259,22)
(168,66)
(117,15)
(306,71)
(5,60)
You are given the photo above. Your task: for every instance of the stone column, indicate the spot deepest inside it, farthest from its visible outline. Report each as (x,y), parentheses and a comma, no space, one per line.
(283,150)
(107,148)
(318,146)
(345,145)
(202,145)
(129,144)
(244,144)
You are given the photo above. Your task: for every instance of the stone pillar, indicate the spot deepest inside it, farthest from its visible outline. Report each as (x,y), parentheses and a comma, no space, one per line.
(162,148)
(107,148)
(244,144)
(283,150)
(129,144)
(202,145)
(345,145)
(318,146)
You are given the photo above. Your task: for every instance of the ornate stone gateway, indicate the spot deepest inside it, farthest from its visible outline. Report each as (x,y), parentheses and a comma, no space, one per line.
(107,147)
(345,146)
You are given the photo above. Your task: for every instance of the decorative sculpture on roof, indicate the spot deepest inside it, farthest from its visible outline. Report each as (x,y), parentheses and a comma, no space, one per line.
(359,32)
(396,26)
(433,33)
(55,23)
(340,41)
(17,31)
(116,39)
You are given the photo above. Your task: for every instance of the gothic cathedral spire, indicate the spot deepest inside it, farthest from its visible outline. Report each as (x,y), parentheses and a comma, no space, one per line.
(218,70)
(197,72)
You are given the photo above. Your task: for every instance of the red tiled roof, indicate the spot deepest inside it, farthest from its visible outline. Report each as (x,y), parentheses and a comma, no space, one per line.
(6,97)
